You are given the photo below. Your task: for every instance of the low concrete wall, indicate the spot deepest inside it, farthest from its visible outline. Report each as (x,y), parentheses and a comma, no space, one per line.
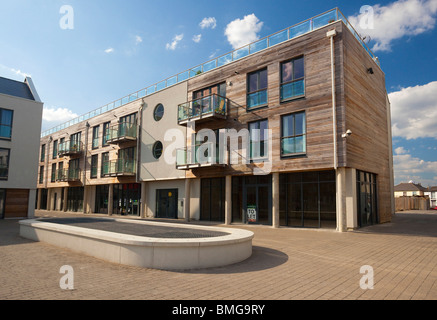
(147,252)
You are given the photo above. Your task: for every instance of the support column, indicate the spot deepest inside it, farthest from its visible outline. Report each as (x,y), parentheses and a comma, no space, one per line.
(346,199)
(49,200)
(187,199)
(143,200)
(228,200)
(275,200)
(110,199)
(85,200)
(31,204)
(38,203)
(65,199)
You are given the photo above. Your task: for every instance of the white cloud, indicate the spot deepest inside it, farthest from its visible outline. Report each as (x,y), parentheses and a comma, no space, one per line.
(14,71)
(197,38)
(407,167)
(243,31)
(52,114)
(400,150)
(177,38)
(210,22)
(109,50)
(138,39)
(396,20)
(414,111)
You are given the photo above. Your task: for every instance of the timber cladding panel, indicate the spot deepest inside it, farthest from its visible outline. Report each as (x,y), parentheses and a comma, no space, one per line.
(317,102)
(368,148)
(17,202)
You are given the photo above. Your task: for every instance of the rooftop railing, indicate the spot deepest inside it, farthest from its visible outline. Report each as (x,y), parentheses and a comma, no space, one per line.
(294,31)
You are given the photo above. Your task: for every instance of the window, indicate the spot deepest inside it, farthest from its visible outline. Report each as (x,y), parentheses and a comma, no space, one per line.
(95,144)
(105,134)
(41,174)
(258,139)
(293,134)
(158,113)
(94,164)
(43,153)
(53,172)
(157,149)
(6,123)
(55,149)
(75,143)
(4,163)
(257,89)
(105,164)
(292,79)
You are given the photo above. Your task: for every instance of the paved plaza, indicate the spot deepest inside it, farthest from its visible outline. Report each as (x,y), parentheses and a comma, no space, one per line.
(286,264)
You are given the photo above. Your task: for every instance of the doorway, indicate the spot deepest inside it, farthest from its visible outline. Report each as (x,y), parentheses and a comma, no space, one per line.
(167,203)
(257,200)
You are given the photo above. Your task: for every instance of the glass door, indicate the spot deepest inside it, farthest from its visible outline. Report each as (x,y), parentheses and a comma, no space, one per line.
(166,203)
(257,200)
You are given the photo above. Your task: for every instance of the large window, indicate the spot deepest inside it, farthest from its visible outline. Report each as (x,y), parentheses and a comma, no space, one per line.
(212,199)
(105,134)
(55,149)
(4,163)
(257,89)
(41,174)
(6,123)
(43,153)
(53,172)
(95,137)
(292,79)
(94,164)
(105,165)
(293,134)
(258,139)
(367,198)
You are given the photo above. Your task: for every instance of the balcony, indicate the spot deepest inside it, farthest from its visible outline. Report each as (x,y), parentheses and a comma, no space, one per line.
(121,133)
(70,148)
(199,156)
(209,107)
(119,168)
(68,175)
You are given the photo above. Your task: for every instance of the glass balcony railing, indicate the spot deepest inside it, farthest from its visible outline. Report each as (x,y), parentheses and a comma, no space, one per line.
(207,154)
(70,148)
(119,167)
(292,89)
(206,107)
(121,132)
(68,175)
(292,32)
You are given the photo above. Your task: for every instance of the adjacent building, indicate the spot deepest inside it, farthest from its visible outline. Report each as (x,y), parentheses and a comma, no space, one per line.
(409,189)
(20,128)
(292,130)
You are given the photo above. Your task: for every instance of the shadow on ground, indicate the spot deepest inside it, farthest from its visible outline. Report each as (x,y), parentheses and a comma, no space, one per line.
(420,223)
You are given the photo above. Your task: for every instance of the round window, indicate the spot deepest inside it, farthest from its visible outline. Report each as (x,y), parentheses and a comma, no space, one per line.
(157,149)
(159,112)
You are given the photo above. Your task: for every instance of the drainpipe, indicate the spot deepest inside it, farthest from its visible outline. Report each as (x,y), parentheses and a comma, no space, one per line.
(331,34)
(138,153)
(85,154)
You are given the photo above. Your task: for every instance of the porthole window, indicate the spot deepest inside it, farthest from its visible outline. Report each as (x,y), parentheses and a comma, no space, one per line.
(159,112)
(157,149)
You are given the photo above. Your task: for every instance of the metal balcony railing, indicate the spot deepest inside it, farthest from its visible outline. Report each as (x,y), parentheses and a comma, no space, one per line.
(212,106)
(121,132)
(201,155)
(68,175)
(119,167)
(70,148)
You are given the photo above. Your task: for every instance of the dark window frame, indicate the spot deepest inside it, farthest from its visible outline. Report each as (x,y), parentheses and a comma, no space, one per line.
(258,90)
(155,117)
(95,141)
(6,169)
(282,83)
(282,137)
(154,150)
(265,142)
(94,166)
(5,124)
(106,127)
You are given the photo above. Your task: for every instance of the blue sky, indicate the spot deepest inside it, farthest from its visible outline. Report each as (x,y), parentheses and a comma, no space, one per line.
(118,47)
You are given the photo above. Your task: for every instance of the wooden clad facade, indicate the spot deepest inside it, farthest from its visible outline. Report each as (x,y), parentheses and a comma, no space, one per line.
(361,107)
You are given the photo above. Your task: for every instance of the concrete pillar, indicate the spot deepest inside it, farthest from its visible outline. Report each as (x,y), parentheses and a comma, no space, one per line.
(143,200)
(187,200)
(275,200)
(65,199)
(228,200)
(38,203)
(110,199)
(85,200)
(49,200)
(346,199)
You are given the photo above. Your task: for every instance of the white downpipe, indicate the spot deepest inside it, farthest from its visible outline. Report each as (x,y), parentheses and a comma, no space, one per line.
(330,35)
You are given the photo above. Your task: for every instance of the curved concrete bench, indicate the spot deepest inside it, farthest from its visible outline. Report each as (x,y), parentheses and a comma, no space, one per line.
(148,252)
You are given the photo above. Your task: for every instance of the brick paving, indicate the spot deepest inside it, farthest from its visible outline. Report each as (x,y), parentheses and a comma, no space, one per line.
(286,264)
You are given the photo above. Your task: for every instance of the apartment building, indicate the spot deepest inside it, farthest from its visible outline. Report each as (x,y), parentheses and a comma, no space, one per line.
(292,130)
(20,127)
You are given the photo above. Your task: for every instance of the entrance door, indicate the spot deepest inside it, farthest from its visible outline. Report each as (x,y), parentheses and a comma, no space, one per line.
(167,203)
(257,203)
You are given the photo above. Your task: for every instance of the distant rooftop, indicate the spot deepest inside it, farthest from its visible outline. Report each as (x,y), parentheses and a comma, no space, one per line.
(15,88)
(292,32)
(409,187)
